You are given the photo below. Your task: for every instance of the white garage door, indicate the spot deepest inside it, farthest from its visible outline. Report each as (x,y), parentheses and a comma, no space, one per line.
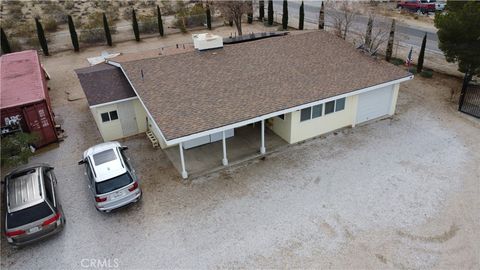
(374,104)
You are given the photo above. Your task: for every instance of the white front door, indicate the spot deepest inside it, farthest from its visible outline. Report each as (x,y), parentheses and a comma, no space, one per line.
(374,104)
(126,113)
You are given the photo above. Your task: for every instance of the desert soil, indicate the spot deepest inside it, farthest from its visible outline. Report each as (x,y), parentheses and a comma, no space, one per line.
(401,193)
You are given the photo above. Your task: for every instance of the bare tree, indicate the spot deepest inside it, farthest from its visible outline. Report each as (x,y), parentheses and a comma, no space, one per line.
(234,11)
(375,36)
(343,17)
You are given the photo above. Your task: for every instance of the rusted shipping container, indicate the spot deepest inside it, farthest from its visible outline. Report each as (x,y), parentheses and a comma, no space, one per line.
(24,101)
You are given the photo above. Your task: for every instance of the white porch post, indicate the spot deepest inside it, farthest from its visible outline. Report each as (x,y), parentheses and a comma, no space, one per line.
(262,147)
(224,160)
(182,160)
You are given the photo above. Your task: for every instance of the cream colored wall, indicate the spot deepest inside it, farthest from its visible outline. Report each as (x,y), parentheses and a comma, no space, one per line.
(156,132)
(281,127)
(323,124)
(140,115)
(112,130)
(396,89)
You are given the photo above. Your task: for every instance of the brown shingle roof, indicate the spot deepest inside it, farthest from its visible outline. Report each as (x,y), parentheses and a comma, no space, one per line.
(196,91)
(104,83)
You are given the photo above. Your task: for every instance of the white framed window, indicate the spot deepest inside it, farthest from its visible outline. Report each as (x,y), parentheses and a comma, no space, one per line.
(306,114)
(339,104)
(322,109)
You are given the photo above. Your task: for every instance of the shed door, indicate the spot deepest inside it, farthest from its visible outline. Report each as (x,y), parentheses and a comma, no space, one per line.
(126,113)
(374,104)
(38,121)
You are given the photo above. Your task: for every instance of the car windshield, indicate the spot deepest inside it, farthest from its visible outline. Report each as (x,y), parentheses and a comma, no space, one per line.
(113,183)
(28,215)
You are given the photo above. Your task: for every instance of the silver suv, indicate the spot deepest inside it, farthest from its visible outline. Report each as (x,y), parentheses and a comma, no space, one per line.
(33,211)
(111,178)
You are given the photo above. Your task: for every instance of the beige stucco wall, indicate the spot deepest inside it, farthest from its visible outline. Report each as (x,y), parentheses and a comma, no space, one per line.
(112,130)
(323,124)
(396,89)
(281,127)
(292,130)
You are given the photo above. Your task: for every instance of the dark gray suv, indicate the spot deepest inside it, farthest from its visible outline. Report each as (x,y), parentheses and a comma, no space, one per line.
(33,210)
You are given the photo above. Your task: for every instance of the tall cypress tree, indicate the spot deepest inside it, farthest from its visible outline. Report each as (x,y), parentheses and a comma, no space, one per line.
(301,17)
(250,12)
(261,10)
(41,37)
(107,30)
(73,34)
(136,32)
(270,12)
(368,34)
(285,15)
(209,17)
(160,21)
(321,17)
(422,54)
(5,44)
(389,51)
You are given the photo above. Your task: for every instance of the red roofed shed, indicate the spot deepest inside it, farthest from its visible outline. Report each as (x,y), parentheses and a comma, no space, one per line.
(24,100)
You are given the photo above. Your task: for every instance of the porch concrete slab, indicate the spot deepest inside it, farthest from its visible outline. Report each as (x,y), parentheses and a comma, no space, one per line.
(243,146)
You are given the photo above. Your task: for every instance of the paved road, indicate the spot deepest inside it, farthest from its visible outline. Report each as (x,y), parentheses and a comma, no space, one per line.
(411,36)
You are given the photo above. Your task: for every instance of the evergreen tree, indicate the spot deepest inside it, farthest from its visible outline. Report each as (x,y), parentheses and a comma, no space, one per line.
(301,17)
(135,26)
(422,54)
(321,17)
(5,44)
(270,12)
(458,35)
(209,17)
(107,30)
(41,37)
(160,22)
(285,15)
(389,51)
(368,34)
(250,12)
(73,34)
(261,10)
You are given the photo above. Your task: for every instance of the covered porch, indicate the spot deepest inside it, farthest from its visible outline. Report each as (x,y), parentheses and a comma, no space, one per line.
(246,144)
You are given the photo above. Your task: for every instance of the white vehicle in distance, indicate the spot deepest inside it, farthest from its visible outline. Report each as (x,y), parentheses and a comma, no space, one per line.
(111,178)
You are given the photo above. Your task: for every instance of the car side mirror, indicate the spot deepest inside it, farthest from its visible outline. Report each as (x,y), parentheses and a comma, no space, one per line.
(81,162)
(124,147)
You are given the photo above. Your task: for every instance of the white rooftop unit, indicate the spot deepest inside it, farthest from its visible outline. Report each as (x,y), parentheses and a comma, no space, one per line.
(207,41)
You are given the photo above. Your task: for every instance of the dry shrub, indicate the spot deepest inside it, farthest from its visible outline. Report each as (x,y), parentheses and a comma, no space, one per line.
(147,24)
(92,31)
(56,11)
(49,24)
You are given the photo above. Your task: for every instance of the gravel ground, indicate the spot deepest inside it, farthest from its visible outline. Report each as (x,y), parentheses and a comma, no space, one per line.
(398,193)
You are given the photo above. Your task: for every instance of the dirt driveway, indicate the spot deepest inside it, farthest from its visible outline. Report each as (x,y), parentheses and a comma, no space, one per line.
(399,193)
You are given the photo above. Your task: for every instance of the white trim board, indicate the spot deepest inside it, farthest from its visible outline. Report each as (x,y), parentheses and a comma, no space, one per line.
(113,102)
(258,118)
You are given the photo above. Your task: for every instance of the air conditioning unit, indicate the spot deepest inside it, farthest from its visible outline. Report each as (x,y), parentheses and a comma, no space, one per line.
(207,41)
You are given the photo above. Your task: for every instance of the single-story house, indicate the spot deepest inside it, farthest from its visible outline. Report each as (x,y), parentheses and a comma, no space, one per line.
(299,85)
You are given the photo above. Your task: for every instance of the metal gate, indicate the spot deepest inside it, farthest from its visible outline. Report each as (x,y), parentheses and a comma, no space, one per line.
(470,103)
